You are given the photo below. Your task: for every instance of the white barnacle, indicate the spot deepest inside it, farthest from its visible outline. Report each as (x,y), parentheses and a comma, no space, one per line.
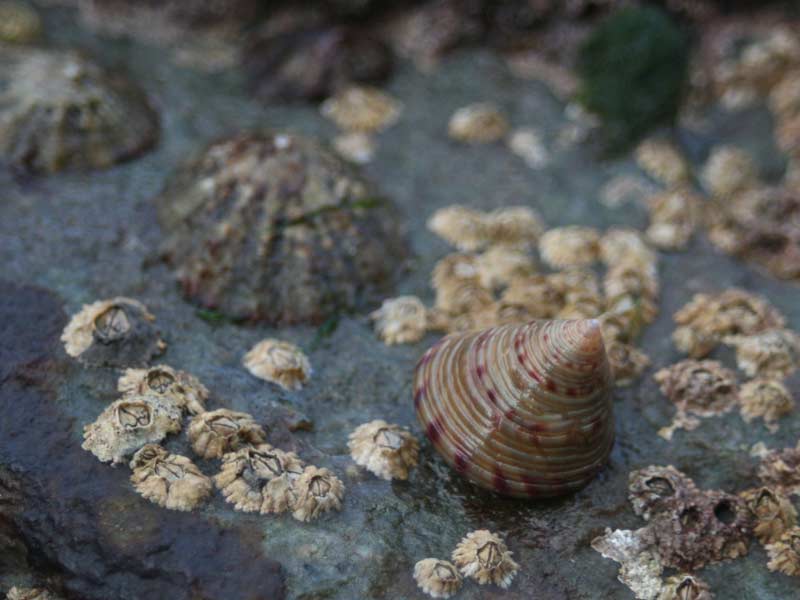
(388,451)
(18,593)
(478,123)
(771,353)
(169,480)
(182,388)
(128,424)
(571,246)
(260,479)
(498,266)
(318,491)
(767,398)
(400,320)
(460,226)
(362,108)
(214,433)
(437,578)
(729,170)
(278,362)
(484,556)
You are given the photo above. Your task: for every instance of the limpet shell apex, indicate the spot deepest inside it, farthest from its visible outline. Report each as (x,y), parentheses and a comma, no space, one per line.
(524,410)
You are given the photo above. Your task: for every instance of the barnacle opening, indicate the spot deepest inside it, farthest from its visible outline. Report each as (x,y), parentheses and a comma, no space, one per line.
(111,325)
(134,415)
(660,486)
(159,380)
(725,512)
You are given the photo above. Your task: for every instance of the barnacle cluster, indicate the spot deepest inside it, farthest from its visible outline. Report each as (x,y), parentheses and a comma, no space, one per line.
(60,110)
(179,387)
(388,451)
(478,123)
(278,362)
(169,480)
(274,227)
(772,353)
(116,333)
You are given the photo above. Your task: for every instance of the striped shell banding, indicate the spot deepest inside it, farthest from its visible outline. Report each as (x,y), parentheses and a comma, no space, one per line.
(524,410)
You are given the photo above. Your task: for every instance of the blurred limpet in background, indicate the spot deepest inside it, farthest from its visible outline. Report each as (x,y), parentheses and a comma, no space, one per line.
(59,110)
(278,362)
(388,451)
(169,480)
(214,433)
(182,388)
(437,578)
(116,333)
(318,491)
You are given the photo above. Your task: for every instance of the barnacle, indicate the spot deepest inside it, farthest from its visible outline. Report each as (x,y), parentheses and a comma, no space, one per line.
(640,567)
(463,296)
(526,142)
(701,528)
(582,306)
(388,451)
(356,147)
(774,513)
(650,488)
(274,227)
(478,123)
(706,319)
(455,267)
(622,189)
(674,216)
(780,470)
(685,587)
(362,108)
(772,353)
(116,333)
(214,433)
(128,424)
(182,388)
(704,388)
(632,280)
(260,479)
(784,555)
(784,99)
(484,556)
(728,170)
(19,23)
(60,110)
(500,265)
(437,578)
(278,362)
(767,398)
(620,244)
(460,226)
(18,593)
(536,294)
(512,226)
(401,320)
(626,361)
(575,282)
(169,480)
(622,324)
(318,491)
(662,161)
(571,246)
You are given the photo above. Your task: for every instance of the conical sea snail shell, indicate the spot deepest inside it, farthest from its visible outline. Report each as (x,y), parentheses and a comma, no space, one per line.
(524,410)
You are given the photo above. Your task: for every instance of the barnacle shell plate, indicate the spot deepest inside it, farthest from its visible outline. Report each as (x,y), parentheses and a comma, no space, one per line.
(524,410)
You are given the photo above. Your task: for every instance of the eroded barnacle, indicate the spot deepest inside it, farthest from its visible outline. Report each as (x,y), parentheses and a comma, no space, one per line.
(116,333)
(401,320)
(437,578)
(674,216)
(685,587)
(83,117)
(278,362)
(729,170)
(512,226)
(640,567)
(318,491)
(620,244)
(477,123)
(707,318)
(773,353)
(260,479)
(571,246)
(627,362)
(182,388)
(767,398)
(650,488)
(388,451)
(20,593)
(701,387)
(663,162)
(19,23)
(214,433)
(460,226)
(701,528)
(362,108)
(774,513)
(498,266)
(780,470)
(483,556)
(169,480)
(784,554)
(128,424)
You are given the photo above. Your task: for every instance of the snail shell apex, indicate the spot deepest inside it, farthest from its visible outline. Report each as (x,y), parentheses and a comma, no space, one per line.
(524,410)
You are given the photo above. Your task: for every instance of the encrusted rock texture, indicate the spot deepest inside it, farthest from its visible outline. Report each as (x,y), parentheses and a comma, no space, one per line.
(78,527)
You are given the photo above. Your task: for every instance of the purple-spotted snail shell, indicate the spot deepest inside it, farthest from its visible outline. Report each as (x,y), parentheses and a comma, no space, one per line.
(524,410)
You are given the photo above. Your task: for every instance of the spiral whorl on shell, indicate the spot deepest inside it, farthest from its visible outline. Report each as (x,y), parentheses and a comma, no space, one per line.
(524,410)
